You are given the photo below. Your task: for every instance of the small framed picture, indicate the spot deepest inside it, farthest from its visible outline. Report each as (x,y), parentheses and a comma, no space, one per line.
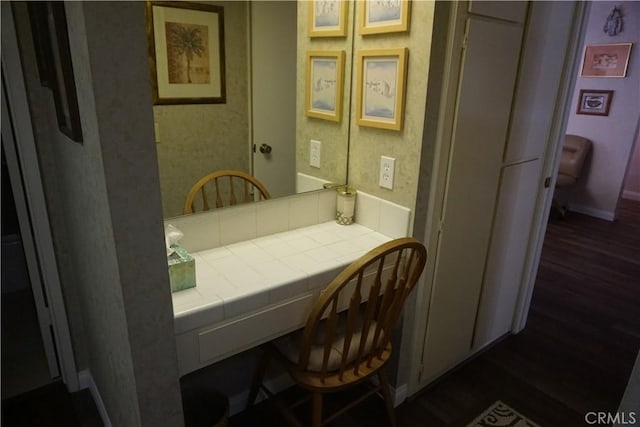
(55,66)
(606,60)
(325,74)
(328,18)
(381,81)
(186,52)
(386,16)
(594,102)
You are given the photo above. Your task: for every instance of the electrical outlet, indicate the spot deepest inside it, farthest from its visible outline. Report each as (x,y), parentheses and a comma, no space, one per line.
(387,170)
(314,153)
(156,131)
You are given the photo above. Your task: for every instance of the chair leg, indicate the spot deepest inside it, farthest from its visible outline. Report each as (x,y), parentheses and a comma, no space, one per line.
(386,394)
(316,409)
(562,211)
(258,375)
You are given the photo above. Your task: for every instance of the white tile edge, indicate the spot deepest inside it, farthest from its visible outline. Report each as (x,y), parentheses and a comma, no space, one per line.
(306,183)
(396,208)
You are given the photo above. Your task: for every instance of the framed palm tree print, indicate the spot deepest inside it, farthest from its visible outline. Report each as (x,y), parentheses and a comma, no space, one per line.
(186,52)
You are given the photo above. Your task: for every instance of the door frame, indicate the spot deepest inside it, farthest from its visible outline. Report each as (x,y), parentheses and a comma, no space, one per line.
(561,115)
(446,100)
(16,120)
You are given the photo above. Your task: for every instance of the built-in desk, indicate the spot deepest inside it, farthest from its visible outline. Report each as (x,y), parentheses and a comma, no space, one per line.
(251,292)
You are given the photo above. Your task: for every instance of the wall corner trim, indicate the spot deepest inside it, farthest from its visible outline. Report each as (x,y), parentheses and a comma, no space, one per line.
(86,381)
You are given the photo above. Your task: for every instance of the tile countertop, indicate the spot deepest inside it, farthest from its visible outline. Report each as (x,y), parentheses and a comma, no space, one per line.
(243,277)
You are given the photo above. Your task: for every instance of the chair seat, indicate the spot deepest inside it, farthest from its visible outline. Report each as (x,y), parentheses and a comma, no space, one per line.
(288,346)
(336,380)
(347,336)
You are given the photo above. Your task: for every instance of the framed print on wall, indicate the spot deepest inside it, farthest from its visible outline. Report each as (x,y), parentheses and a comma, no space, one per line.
(381,81)
(186,52)
(387,16)
(327,18)
(606,60)
(594,102)
(325,75)
(55,68)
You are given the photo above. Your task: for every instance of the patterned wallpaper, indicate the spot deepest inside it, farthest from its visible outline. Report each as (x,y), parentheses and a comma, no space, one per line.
(334,136)
(198,139)
(367,144)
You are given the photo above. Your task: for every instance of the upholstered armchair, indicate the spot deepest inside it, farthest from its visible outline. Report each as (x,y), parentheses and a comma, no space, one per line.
(574,153)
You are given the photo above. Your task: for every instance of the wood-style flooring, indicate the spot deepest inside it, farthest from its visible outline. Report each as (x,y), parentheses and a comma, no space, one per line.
(574,356)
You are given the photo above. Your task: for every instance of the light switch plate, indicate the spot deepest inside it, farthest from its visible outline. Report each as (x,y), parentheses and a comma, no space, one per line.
(314,153)
(387,171)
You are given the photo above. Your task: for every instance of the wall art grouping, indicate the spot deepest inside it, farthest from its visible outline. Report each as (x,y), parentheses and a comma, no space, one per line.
(381,74)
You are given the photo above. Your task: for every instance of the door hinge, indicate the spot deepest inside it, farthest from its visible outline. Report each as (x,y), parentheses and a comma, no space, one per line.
(547,182)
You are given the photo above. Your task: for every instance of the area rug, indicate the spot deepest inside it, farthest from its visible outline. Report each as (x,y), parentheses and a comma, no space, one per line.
(500,414)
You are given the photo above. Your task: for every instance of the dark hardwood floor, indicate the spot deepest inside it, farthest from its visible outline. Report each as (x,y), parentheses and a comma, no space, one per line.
(574,356)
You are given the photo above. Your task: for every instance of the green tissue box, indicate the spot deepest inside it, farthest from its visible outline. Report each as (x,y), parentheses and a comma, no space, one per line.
(182,269)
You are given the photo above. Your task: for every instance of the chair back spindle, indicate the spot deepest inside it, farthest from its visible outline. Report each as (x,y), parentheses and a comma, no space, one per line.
(225,186)
(356,333)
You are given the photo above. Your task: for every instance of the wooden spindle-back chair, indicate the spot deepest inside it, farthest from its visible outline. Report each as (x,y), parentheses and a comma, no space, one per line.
(347,336)
(229,187)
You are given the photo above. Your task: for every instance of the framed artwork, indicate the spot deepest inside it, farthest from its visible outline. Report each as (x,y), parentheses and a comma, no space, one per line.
(325,75)
(38,18)
(386,16)
(186,52)
(328,18)
(606,60)
(51,42)
(594,102)
(381,85)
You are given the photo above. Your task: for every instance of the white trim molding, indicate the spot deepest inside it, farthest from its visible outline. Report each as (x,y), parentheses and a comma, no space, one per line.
(86,381)
(596,213)
(631,195)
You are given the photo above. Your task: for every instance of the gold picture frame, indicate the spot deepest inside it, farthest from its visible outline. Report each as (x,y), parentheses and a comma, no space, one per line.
(327,18)
(377,17)
(606,60)
(186,52)
(381,88)
(324,87)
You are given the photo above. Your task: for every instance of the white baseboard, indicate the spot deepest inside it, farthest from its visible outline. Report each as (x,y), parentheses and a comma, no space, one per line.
(631,195)
(596,213)
(399,394)
(86,381)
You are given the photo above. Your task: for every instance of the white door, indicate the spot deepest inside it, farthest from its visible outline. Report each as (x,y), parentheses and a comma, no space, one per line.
(273,100)
(22,161)
(44,317)
(487,83)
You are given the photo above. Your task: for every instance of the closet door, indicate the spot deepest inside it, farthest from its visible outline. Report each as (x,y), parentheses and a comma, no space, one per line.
(486,87)
(509,243)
